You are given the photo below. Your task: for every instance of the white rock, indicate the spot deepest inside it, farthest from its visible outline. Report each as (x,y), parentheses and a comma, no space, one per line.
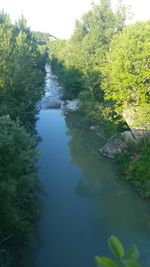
(139,127)
(112,147)
(53,77)
(72,105)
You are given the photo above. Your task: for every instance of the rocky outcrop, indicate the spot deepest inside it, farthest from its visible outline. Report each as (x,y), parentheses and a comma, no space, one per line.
(114,146)
(138,120)
(71,105)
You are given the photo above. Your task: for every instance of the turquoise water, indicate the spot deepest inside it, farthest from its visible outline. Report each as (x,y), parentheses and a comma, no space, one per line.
(83,200)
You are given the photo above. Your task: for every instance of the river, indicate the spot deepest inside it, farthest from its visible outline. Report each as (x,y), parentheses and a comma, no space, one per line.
(83,200)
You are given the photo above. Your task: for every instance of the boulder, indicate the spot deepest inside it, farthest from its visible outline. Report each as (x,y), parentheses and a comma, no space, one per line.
(139,133)
(53,77)
(138,120)
(72,105)
(112,147)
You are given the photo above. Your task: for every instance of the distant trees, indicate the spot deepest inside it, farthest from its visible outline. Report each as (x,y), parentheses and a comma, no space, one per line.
(86,49)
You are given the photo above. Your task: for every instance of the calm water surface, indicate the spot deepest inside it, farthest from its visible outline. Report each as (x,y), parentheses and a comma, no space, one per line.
(83,200)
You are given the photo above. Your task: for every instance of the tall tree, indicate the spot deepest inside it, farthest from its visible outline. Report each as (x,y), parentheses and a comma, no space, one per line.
(126,75)
(86,50)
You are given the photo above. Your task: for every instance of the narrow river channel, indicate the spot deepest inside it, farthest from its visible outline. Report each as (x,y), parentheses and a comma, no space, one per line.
(83,200)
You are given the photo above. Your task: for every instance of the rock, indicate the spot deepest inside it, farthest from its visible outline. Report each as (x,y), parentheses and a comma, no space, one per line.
(128,136)
(72,105)
(139,134)
(112,147)
(138,120)
(53,77)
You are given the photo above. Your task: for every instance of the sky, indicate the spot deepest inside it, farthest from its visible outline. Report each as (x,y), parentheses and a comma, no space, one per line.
(58,16)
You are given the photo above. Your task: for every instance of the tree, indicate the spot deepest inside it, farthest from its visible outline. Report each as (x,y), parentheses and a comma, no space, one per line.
(126,74)
(18,180)
(22,62)
(21,73)
(4,18)
(86,49)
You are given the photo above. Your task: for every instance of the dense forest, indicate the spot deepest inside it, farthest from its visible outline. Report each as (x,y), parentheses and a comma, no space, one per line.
(22,72)
(106,64)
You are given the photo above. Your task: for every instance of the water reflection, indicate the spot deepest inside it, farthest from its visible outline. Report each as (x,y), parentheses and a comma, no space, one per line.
(118,209)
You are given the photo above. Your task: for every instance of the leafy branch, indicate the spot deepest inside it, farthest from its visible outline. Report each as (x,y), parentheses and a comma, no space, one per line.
(121,258)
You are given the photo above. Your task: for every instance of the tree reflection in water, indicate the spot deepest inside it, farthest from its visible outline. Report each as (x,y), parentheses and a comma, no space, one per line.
(117,207)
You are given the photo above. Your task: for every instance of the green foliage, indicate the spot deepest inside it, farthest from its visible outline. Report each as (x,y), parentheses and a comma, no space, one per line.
(122,258)
(43,37)
(106,64)
(126,72)
(116,247)
(4,18)
(105,262)
(133,253)
(134,166)
(141,167)
(18,180)
(22,62)
(21,73)
(85,52)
